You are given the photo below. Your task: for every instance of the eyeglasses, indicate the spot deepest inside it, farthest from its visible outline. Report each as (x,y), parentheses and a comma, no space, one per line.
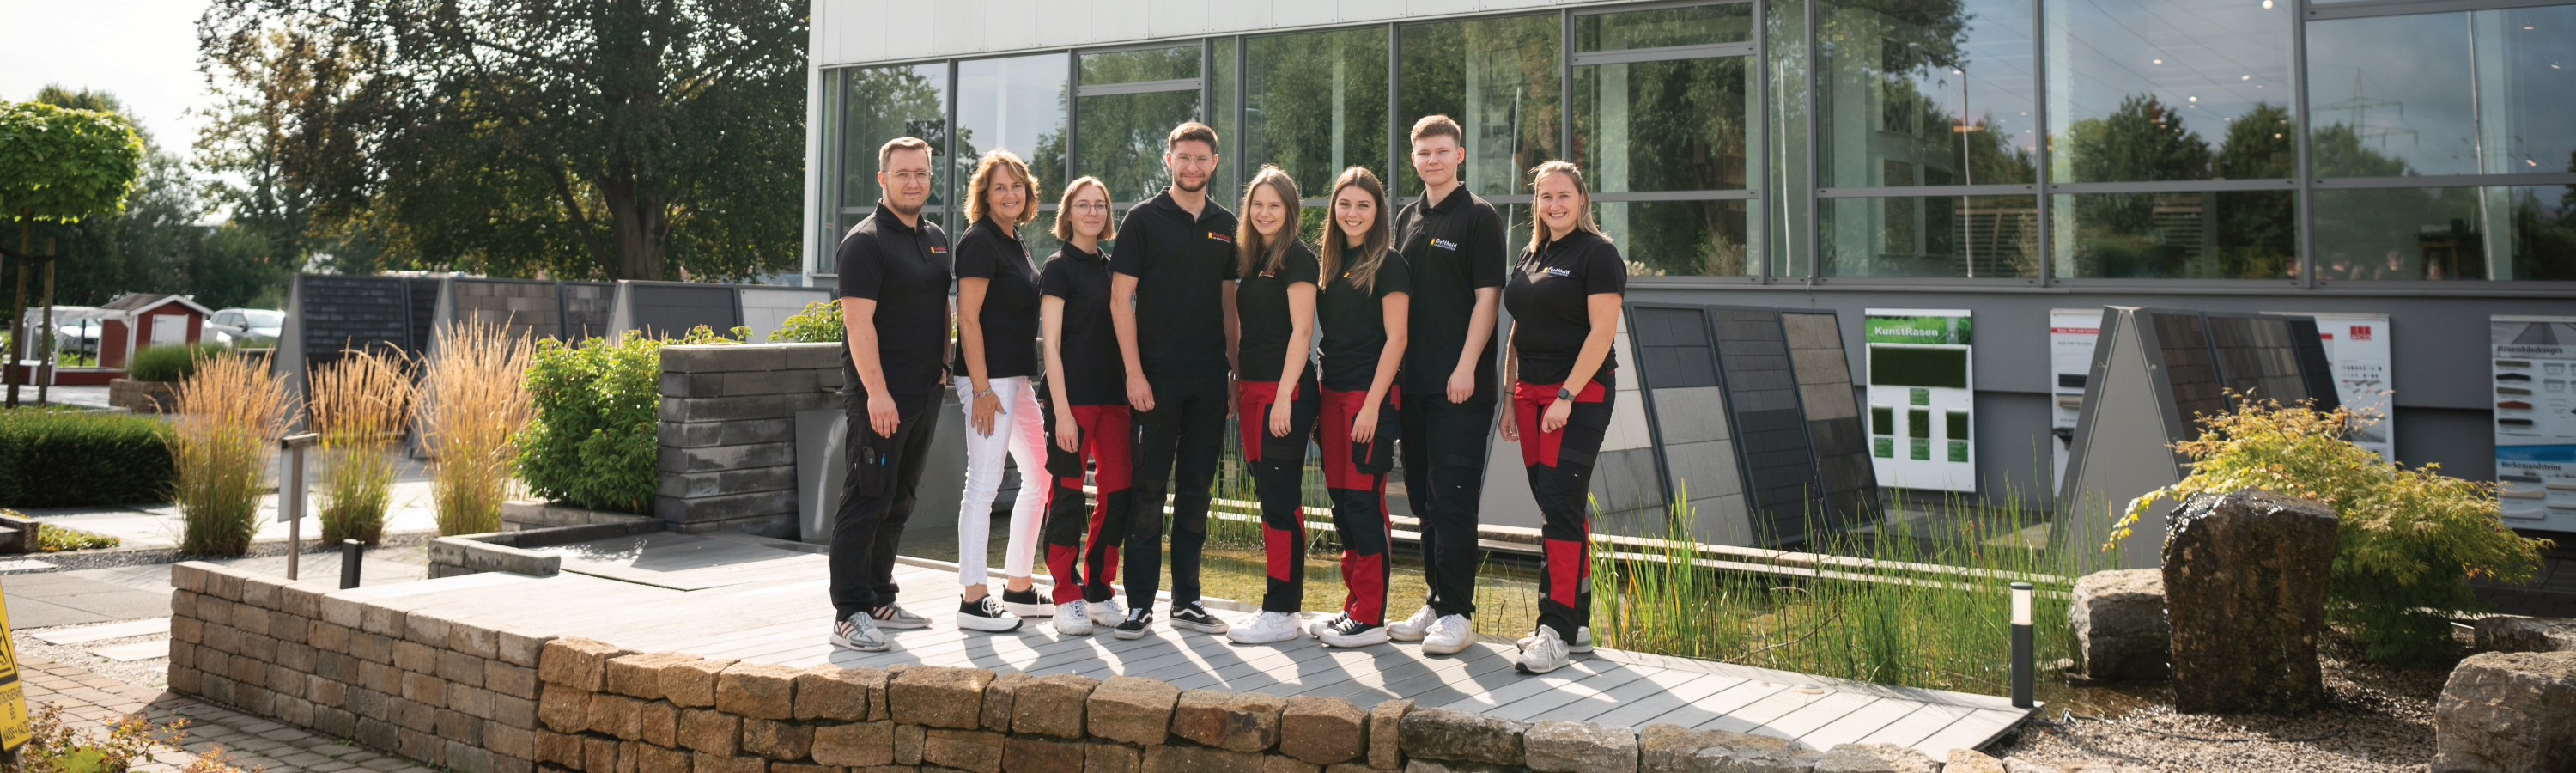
(1090,206)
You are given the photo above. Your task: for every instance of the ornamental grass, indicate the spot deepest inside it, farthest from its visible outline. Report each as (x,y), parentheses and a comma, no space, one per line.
(477,397)
(230,415)
(361,403)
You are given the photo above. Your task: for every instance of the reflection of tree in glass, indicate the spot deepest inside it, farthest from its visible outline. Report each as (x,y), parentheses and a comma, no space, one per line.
(1498,78)
(2223,235)
(1301,87)
(1893,51)
(1684,129)
(1121,140)
(885,103)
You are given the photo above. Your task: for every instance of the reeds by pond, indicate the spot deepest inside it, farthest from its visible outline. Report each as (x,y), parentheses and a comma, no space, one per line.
(360,403)
(231,412)
(477,397)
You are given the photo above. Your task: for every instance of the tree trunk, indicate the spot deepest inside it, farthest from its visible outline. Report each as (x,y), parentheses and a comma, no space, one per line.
(636,222)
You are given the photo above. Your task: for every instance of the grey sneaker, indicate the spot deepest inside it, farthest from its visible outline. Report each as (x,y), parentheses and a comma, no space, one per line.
(1582,640)
(894,616)
(861,634)
(1545,653)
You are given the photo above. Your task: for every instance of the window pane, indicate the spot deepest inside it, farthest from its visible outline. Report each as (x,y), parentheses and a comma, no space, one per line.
(1678,238)
(1017,105)
(2224,235)
(1931,236)
(1785,216)
(2447,233)
(1694,26)
(1221,117)
(1315,104)
(880,104)
(1662,126)
(1498,78)
(1926,93)
(2485,92)
(1121,140)
(2169,90)
(1151,64)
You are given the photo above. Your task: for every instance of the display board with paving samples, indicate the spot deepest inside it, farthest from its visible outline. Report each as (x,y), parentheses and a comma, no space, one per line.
(2535,420)
(1922,394)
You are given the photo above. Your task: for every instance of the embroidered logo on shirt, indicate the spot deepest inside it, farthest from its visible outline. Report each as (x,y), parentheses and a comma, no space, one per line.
(1444,244)
(938,250)
(1220,237)
(1559,272)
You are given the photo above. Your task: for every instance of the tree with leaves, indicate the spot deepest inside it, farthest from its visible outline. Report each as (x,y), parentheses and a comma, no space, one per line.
(146,247)
(58,165)
(600,138)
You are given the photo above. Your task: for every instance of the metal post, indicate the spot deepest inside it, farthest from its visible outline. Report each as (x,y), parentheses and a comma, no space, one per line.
(2021,646)
(350,554)
(290,504)
(45,343)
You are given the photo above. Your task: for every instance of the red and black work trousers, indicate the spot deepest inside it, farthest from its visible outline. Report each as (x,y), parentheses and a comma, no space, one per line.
(1278,479)
(1091,534)
(1560,478)
(1355,475)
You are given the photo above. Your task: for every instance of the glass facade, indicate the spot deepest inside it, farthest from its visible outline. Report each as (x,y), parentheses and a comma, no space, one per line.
(2024,142)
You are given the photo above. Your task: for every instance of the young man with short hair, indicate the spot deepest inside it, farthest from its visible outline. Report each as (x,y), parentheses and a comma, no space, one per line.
(1453,240)
(894,274)
(1172,301)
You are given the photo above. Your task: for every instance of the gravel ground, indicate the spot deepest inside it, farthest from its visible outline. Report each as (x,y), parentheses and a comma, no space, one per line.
(2377,719)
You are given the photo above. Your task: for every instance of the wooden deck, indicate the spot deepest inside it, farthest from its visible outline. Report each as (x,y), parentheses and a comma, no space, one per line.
(764,601)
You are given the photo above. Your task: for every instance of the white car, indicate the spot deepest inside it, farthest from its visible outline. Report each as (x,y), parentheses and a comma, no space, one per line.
(247,326)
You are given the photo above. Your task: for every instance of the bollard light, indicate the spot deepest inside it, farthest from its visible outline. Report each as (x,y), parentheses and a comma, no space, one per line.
(351,552)
(2021,646)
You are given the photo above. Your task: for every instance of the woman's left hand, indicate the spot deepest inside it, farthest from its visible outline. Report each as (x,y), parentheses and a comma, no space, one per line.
(1364,426)
(1557,414)
(986,405)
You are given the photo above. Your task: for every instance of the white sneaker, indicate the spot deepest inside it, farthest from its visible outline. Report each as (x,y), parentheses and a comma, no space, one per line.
(1413,628)
(1071,619)
(1448,635)
(1582,640)
(1267,628)
(860,633)
(1545,653)
(1353,633)
(1106,613)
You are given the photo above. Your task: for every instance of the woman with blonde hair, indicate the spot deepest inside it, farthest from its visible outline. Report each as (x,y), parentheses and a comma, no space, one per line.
(995,356)
(1085,402)
(1564,300)
(1365,310)
(1276,400)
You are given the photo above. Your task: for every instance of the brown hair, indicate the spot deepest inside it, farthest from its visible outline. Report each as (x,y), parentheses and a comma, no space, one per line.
(1064,209)
(1190,131)
(885,153)
(1373,247)
(980,186)
(1248,243)
(1582,214)
(1437,125)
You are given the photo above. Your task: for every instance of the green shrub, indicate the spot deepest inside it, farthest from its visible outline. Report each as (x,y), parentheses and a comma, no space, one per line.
(68,459)
(819,323)
(598,406)
(2408,541)
(167,362)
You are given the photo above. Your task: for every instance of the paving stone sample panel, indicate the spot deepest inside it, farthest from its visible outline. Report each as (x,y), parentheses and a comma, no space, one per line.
(586,307)
(1770,425)
(523,305)
(669,310)
(1678,363)
(351,312)
(1833,416)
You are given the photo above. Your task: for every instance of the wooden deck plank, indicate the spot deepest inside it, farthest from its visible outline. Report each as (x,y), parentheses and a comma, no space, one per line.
(1861,722)
(1970,732)
(1921,724)
(1699,712)
(1579,691)
(1684,686)
(1820,711)
(1368,689)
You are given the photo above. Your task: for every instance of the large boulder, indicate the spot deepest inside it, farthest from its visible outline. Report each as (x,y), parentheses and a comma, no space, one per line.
(2508,711)
(2120,628)
(2525,634)
(2245,588)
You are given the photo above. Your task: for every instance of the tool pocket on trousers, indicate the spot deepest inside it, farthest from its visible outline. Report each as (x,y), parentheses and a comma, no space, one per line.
(870,469)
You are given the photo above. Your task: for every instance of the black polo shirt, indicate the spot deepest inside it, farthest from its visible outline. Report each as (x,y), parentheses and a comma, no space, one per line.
(1010,311)
(906,271)
(1455,246)
(1093,373)
(1550,299)
(1354,321)
(1180,264)
(1261,303)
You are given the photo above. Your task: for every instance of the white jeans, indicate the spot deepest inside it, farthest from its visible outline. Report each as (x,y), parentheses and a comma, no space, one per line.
(1020,431)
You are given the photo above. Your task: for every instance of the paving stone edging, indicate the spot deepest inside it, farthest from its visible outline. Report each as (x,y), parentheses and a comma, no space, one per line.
(477,699)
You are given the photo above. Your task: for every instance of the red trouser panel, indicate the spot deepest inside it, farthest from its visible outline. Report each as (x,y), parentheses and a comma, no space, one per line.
(1278,478)
(1559,465)
(1359,505)
(1070,527)
(1529,403)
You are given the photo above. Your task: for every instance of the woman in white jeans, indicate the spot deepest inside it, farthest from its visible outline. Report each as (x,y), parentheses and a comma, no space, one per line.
(996,357)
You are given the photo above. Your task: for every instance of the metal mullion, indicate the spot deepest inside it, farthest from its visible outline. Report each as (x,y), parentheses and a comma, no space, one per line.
(1242,87)
(2447,181)
(948,171)
(2303,203)
(2001,189)
(2046,258)
(1146,87)
(1670,53)
(1396,127)
(2360,10)
(1815,251)
(1738,194)
(1564,86)
(1207,85)
(1626,7)
(2177,186)
(1760,143)
(1073,117)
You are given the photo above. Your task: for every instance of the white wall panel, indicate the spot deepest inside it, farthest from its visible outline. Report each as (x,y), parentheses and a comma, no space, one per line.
(1303,14)
(909,30)
(960,26)
(848,32)
(1063,24)
(1175,18)
(1115,21)
(1010,25)
(1234,17)
(1436,7)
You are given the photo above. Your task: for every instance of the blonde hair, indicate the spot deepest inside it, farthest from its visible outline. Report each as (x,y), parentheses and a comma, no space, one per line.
(1373,246)
(885,152)
(1248,244)
(1064,210)
(1582,214)
(980,186)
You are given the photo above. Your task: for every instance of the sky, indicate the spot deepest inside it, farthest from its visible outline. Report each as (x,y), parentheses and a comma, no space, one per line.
(144,52)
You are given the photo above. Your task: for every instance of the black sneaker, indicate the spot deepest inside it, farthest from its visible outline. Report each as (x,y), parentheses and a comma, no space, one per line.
(1026,602)
(986,614)
(1134,626)
(1347,632)
(1196,618)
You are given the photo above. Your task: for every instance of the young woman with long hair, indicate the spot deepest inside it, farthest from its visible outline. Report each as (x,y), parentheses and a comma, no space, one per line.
(1364,312)
(1084,399)
(1276,399)
(996,355)
(1564,297)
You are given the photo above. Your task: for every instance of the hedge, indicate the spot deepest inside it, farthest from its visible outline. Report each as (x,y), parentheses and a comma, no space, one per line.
(66,459)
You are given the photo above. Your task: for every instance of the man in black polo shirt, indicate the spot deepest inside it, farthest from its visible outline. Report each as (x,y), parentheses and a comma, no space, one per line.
(1172,300)
(894,269)
(1454,242)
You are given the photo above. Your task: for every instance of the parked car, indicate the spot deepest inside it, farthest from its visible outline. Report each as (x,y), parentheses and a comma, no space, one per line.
(248,327)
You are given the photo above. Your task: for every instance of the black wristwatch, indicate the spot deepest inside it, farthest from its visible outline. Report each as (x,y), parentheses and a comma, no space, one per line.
(1563,393)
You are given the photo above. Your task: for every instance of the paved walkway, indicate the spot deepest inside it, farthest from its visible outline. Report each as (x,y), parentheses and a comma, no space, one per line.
(92,702)
(44,599)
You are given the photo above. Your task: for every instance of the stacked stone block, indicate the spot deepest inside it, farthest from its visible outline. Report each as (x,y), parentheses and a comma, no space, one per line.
(728,433)
(524,306)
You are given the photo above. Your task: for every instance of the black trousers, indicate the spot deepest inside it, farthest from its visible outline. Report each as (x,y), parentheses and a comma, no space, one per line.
(1177,449)
(877,498)
(1279,479)
(1444,480)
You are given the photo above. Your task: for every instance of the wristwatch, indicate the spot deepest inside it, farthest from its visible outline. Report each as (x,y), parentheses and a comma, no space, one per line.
(1563,393)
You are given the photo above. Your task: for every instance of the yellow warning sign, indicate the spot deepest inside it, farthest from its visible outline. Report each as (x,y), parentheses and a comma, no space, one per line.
(13,695)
